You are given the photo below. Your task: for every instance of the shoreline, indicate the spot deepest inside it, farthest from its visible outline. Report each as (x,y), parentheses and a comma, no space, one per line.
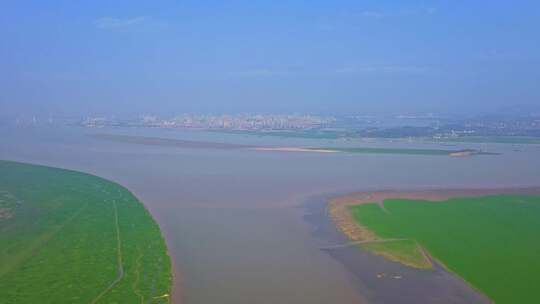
(378,279)
(177,280)
(191,144)
(177,286)
(134,199)
(176,295)
(337,210)
(337,206)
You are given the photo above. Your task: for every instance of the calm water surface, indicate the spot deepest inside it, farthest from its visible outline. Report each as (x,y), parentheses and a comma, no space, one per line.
(233,218)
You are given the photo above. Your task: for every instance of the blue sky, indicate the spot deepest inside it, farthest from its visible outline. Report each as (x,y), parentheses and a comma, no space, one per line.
(165,57)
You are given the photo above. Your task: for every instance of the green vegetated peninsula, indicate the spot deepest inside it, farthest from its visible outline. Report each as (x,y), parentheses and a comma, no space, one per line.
(70,237)
(492,242)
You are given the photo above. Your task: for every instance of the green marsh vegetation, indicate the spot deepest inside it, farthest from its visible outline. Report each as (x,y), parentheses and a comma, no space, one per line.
(492,242)
(70,237)
(406,251)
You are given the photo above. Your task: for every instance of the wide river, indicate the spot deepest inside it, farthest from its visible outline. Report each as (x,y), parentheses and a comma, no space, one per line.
(234,219)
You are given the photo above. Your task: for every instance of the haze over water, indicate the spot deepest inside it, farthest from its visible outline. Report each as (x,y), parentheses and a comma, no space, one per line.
(233,218)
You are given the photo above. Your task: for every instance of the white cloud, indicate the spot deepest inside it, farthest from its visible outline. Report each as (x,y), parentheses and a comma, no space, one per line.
(263,72)
(403,69)
(327,27)
(404,12)
(346,70)
(255,72)
(431,10)
(387,69)
(419,11)
(118,23)
(345,20)
(372,14)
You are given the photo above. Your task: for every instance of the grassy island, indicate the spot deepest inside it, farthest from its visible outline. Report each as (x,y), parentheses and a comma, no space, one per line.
(492,242)
(70,237)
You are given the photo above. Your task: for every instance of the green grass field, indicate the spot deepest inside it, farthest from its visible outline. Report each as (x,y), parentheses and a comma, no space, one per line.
(492,242)
(406,251)
(70,237)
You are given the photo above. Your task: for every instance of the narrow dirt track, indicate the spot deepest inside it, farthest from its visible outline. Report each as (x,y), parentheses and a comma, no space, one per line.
(361,242)
(119,257)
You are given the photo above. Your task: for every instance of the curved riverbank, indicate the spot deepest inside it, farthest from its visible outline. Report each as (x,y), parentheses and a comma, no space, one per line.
(339,204)
(177,284)
(413,228)
(90,239)
(230,217)
(380,280)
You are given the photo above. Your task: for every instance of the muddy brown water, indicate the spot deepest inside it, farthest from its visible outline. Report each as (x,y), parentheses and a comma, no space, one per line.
(235,220)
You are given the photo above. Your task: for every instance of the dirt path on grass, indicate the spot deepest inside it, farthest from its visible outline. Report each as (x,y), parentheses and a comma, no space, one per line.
(119,258)
(362,242)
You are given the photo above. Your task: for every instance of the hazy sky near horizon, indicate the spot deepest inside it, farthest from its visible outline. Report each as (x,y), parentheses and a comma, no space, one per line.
(166,57)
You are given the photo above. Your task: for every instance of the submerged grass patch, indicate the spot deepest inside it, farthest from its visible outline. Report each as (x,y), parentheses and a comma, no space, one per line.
(76,238)
(492,242)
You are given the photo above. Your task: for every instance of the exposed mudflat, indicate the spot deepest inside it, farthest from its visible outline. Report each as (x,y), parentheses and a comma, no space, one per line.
(383,281)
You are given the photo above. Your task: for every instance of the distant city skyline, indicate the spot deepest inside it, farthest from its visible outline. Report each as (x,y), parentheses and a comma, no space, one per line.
(333,58)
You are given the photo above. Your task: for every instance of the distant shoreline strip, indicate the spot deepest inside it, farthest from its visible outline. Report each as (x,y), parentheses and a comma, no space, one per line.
(190,144)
